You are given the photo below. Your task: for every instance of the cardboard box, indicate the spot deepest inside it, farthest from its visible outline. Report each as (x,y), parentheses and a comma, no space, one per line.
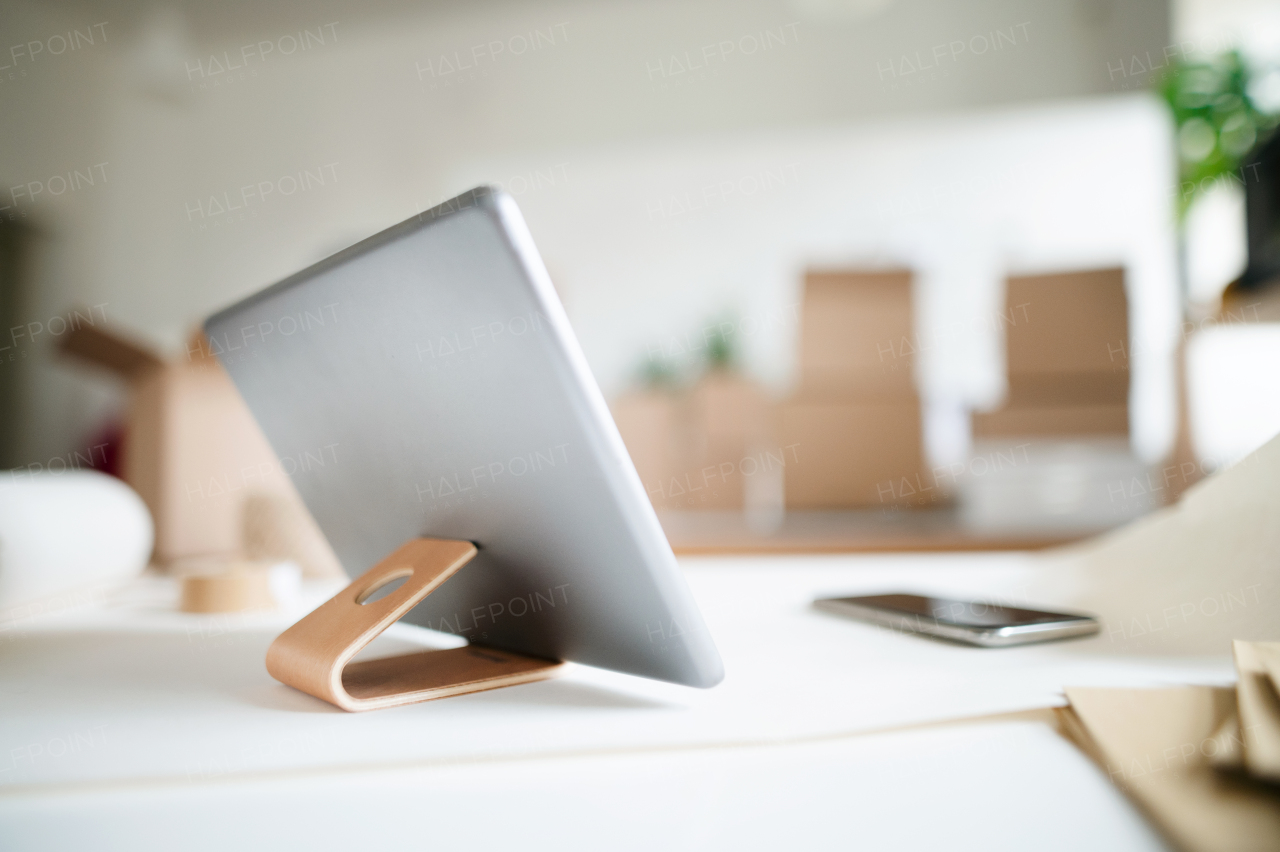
(845,455)
(1047,421)
(852,433)
(194,453)
(857,335)
(1067,349)
(1067,389)
(652,426)
(1070,322)
(730,439)
(692,448)
(857,415)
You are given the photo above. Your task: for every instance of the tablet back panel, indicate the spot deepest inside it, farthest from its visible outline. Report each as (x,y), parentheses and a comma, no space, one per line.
(425,382)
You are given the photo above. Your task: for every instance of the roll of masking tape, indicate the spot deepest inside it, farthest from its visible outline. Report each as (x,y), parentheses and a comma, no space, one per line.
(65,531)
(240,586)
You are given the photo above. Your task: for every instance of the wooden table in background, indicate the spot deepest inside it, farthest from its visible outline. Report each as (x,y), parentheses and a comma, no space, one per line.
(851,531)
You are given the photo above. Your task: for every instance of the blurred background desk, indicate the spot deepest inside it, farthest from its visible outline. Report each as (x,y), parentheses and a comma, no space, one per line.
(850,531)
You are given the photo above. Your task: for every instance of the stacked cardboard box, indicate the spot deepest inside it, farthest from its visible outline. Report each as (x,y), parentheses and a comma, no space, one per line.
(650,423)
(1067,347)
(728,416)
(853,427)
(697,448)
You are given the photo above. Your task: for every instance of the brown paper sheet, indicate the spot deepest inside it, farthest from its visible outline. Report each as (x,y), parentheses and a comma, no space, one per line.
(1158,746)
(1257,664)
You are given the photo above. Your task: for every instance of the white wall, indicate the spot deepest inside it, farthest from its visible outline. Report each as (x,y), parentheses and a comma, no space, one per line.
(600,93)
(648,244)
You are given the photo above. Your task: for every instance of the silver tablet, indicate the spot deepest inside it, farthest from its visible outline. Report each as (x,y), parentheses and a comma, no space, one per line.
(426,382)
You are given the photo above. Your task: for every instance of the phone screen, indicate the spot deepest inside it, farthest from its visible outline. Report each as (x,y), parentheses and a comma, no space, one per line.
(961,613)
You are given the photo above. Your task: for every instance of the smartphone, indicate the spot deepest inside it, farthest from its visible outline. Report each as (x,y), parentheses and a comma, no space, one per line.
(987,625)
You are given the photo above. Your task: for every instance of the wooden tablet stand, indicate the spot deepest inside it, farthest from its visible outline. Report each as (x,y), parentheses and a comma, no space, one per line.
(313,654)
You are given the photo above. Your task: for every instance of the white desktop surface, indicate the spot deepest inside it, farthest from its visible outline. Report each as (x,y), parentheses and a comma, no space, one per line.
(132,726)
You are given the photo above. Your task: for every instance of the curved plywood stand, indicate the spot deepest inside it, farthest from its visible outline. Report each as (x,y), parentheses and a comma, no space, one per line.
(313,655)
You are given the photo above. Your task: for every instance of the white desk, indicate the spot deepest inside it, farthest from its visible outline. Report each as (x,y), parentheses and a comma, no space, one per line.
(134,727)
